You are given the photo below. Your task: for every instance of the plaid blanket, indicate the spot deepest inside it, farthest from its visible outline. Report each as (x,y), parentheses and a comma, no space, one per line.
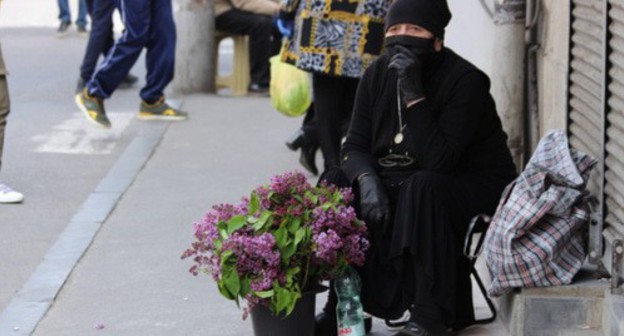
(536,235)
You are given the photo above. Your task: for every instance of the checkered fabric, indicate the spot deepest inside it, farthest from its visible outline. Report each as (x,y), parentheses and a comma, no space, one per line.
(536,235)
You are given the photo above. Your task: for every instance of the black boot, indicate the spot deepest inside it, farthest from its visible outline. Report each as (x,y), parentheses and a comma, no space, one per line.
(296,140)
(415,329)
(326,322)
(308,157)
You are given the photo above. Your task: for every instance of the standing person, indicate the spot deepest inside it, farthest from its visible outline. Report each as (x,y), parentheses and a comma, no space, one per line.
(7,195)
(148,24)
(426,152)
(65,17)
(253,18)
(101,40)
(336,41)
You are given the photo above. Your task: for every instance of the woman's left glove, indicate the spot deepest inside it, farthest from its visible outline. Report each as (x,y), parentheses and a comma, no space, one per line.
(409,71)
(374,204)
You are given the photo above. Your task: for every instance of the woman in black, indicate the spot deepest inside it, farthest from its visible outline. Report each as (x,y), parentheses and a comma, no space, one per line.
(426,152)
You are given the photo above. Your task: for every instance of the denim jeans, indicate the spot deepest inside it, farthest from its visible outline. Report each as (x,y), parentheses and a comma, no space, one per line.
(65,14)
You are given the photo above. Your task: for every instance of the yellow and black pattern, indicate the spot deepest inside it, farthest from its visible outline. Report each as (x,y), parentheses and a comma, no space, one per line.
(335,37)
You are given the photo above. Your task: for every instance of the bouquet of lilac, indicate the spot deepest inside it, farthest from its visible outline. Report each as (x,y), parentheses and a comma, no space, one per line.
(282,240)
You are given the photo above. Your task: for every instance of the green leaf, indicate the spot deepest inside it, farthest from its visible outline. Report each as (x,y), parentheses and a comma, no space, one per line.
(290,275)
(281,237)
(311,197)
(289,250)
(254,203)
(222,227)
(265,218)
(337,197)
(224,291)
(327,206)
(231,281)
(294,225)
(235,223)
(265,294)
(282,297)
(299,235)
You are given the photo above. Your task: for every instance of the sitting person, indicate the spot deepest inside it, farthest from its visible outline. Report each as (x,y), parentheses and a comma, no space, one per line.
(425,152)
(253,18)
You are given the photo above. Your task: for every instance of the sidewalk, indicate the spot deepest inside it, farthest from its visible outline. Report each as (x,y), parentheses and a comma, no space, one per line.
(131,280)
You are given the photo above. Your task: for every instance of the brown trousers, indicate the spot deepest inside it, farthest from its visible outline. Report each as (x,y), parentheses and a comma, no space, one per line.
(4,110)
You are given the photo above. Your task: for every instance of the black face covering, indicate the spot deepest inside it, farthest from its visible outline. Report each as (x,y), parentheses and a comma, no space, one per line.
(423,48)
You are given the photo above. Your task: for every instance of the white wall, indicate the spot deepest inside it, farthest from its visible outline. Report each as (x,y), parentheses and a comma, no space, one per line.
(471,33)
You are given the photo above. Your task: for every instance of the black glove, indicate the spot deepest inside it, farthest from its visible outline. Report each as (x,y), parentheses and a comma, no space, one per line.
(409,70)
(374,205)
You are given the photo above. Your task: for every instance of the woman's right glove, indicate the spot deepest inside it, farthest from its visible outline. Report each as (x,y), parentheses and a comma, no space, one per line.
(374,204)
(409,71)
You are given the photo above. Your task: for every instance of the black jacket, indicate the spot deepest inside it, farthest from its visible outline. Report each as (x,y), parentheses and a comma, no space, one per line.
(455,129)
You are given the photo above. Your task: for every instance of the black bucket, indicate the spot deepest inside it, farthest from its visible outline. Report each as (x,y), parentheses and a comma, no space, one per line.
(300,322)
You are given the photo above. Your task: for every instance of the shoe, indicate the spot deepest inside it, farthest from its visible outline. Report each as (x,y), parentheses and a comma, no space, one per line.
(296,140)
(92,108)
(8,195)
(259,89)
(128,81)
(160,110)
(326,324)
(81,85)
(82,30)
(308,158)
(63,28)
(414,329)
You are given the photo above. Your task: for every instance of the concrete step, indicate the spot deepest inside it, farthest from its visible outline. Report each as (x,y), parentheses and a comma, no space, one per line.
(589,332)
(575,309)
(613,320)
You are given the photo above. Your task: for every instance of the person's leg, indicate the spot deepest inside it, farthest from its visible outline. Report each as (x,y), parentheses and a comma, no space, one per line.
(101,36)
(81,21)
(4,110)
(136,16)
(160,57)
(64,13)
(7,195)
(331,96)
(259,28)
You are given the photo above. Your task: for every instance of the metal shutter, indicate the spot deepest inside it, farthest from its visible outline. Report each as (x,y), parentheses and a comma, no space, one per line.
(586,97)
(586,81)
(614,154)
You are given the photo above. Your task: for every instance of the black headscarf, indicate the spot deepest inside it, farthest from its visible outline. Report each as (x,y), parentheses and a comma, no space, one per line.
(433,15)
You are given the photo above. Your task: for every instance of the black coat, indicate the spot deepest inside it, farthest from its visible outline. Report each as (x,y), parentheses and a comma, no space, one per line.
(463,165)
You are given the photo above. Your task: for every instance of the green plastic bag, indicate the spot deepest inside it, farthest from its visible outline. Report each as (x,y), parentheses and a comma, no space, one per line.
(290,88)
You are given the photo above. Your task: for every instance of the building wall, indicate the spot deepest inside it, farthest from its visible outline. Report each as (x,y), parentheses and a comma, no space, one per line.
(471,33)
(553,65)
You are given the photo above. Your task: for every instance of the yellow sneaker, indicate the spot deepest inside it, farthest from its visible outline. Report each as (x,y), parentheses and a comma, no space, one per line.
(92,108)
(160,110)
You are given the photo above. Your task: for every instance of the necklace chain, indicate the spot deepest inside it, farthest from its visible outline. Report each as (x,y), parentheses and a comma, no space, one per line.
(398,138)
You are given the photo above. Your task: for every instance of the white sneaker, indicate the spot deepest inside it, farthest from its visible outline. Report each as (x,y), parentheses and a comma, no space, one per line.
(8,195)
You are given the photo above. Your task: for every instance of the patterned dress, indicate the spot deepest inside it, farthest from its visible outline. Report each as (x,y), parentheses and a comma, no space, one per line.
(334,37)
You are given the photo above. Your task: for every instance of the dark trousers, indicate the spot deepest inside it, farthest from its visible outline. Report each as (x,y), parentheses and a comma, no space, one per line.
(101,38)
(148,24)
(264,39)
(5,108)
(333,105)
